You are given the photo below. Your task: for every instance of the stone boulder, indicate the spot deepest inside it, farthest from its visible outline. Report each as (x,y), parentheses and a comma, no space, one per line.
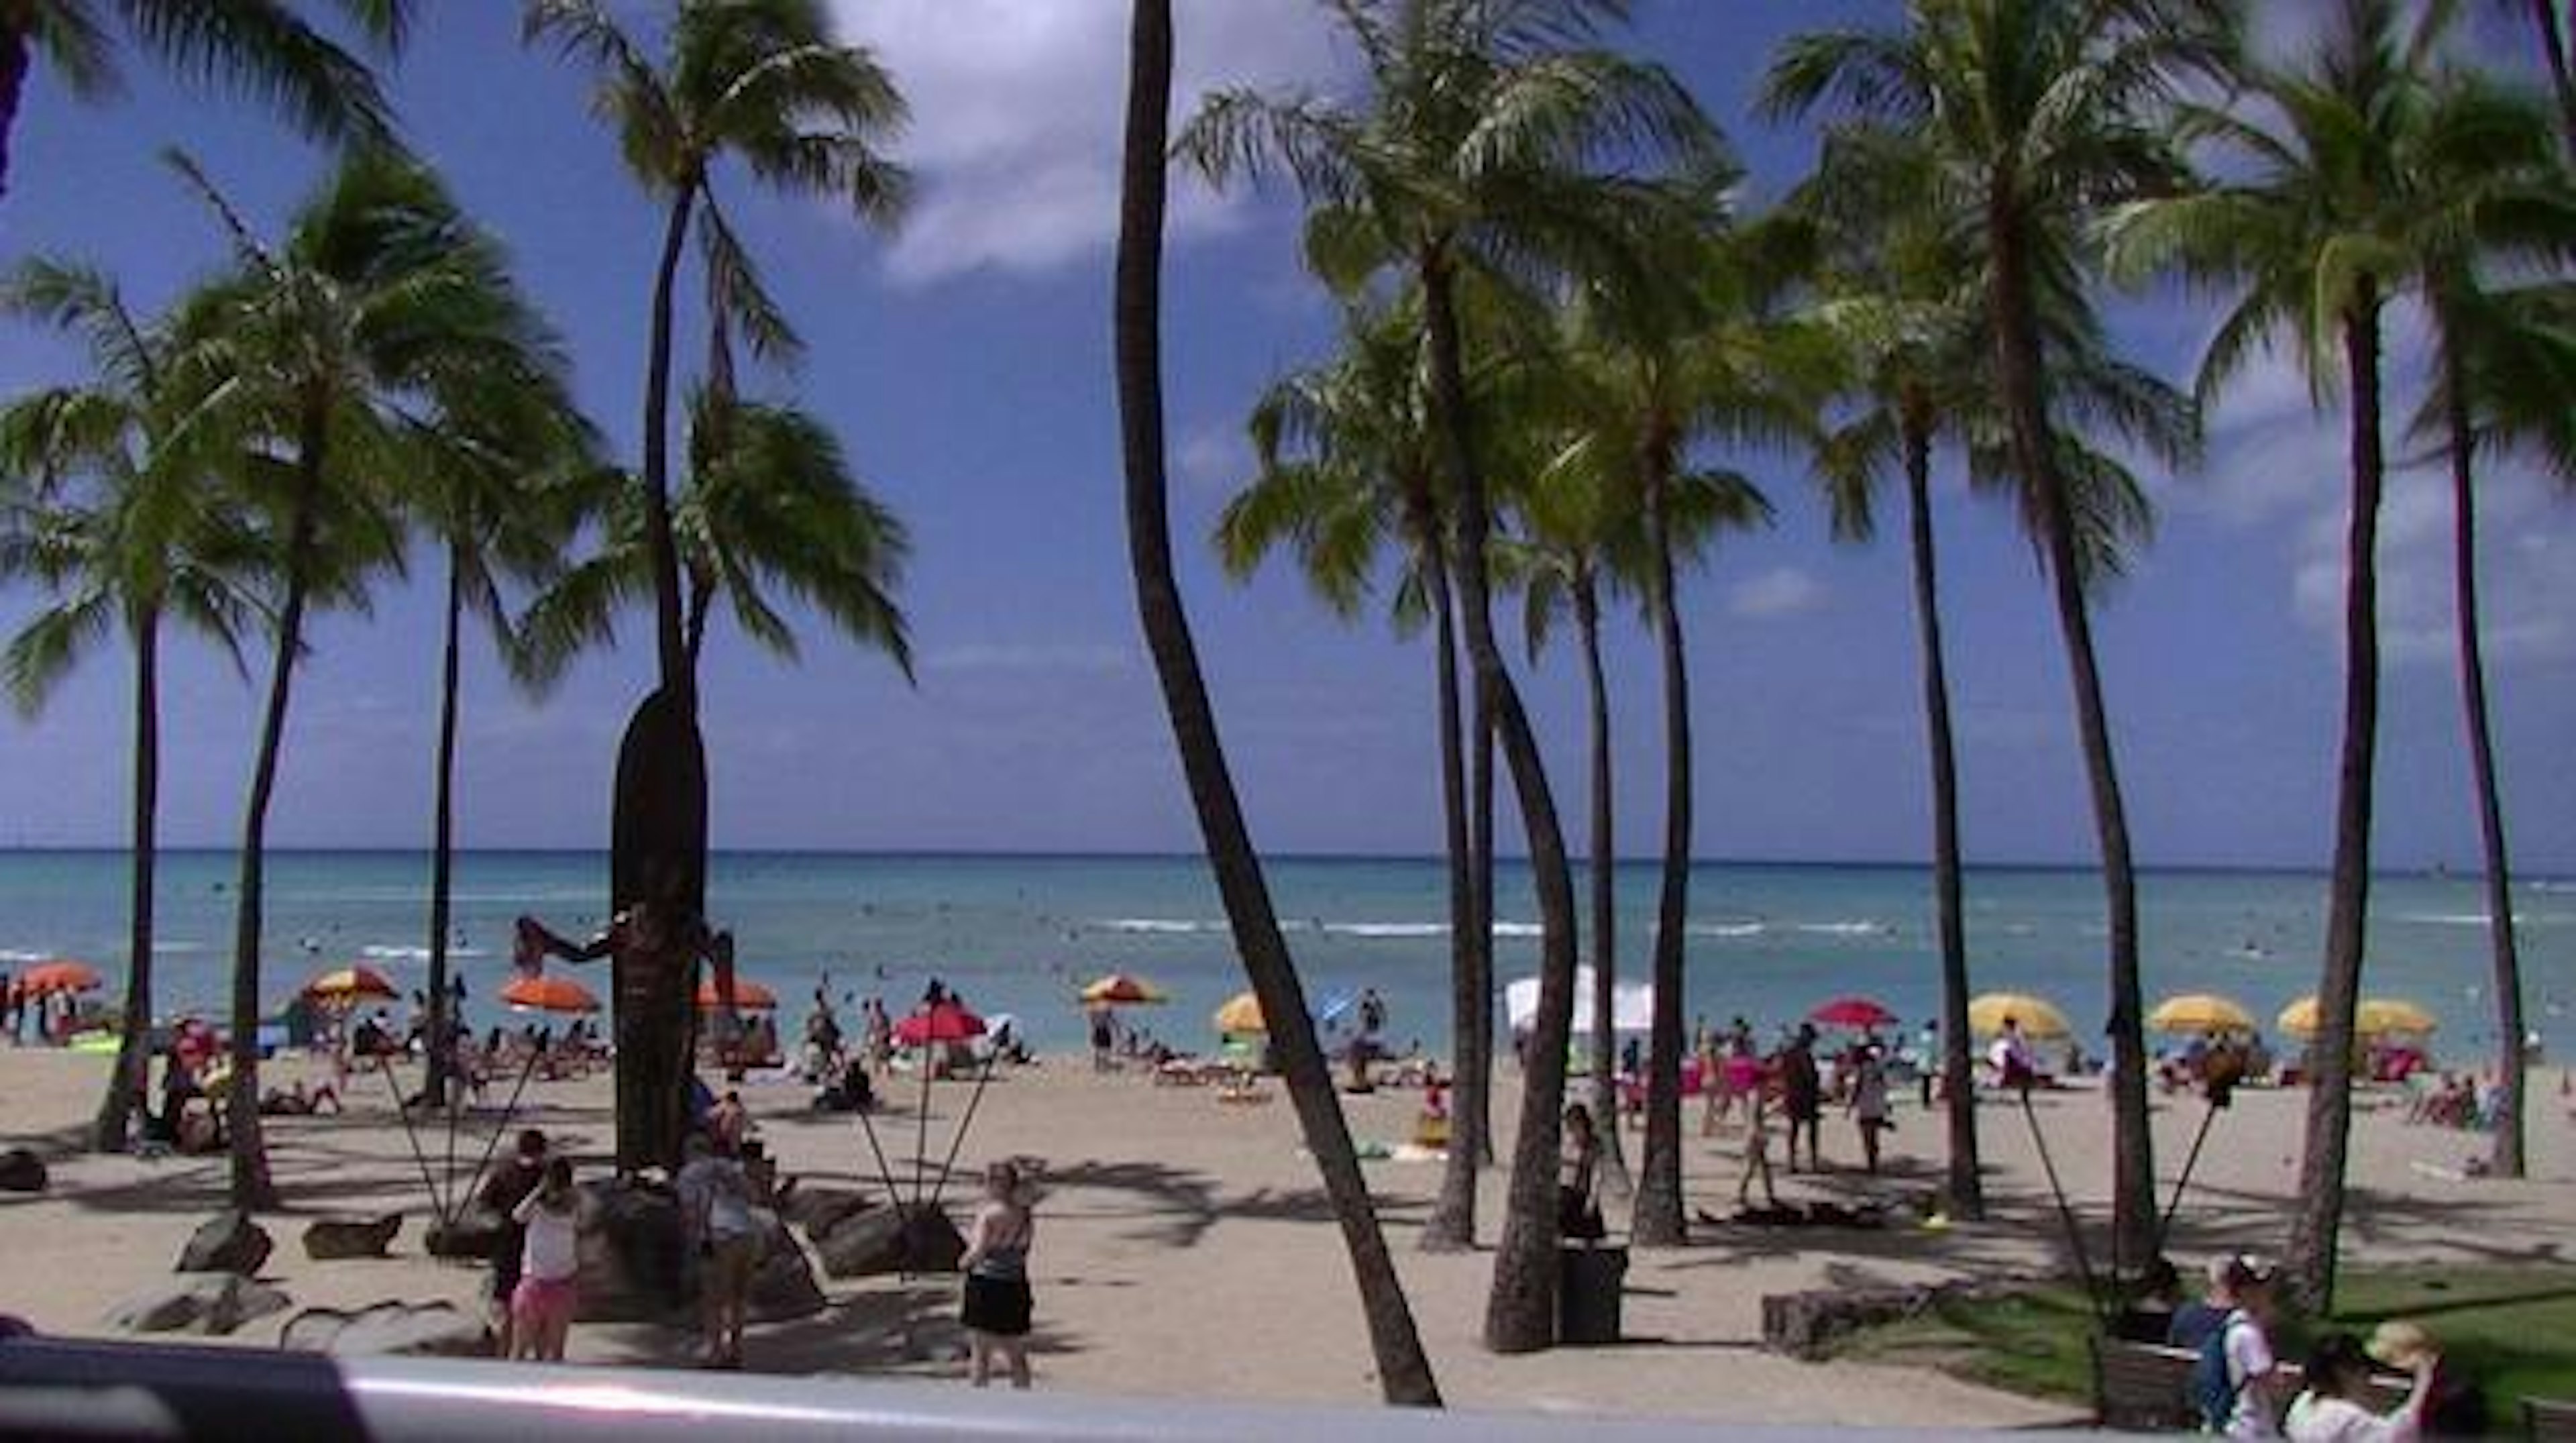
(630,1252)
(229,1242)
(892,1240)
(334,1239)
(212,1303)
(819,1209)
(21,1171)
(783,1286)
(435,1330)
(475,1232)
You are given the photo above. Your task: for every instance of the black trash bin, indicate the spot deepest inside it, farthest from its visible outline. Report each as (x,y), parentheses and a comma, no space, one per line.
(1588,1281)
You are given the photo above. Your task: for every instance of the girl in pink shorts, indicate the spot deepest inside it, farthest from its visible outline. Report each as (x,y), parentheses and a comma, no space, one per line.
(541,1309)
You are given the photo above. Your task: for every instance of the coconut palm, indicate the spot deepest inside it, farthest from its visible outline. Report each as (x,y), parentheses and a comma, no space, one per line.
(2343,201)
(2558,56)
(1404,1371)
(317,364)
(2040,114)
(1479,144)
(259,47)
(92,507)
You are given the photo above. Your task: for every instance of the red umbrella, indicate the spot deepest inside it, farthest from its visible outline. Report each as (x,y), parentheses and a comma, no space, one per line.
(748,996)
(549,994)
(1855,1012)
(61,975)
(947,1022)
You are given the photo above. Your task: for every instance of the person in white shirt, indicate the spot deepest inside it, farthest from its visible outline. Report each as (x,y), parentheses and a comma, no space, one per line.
(2331,1410)
(541,1307)
(2245,1290)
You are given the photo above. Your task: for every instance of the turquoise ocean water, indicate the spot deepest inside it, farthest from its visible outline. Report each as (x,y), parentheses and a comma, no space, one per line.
(1016,933)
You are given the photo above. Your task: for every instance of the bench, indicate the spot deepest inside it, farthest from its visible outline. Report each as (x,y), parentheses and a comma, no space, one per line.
(2146,1388)
(2552,1419)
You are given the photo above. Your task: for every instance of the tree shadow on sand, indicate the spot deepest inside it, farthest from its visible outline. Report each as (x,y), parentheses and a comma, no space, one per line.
(1173,1207)
(907,1329)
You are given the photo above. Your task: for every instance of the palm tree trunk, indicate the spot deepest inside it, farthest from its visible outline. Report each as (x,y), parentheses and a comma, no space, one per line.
(1604,877)
(1452,1224)
(2507,1158)
(442,847)
(1966,1189)
(1404,1370)
(1660,1221)
(128,1083)
(1476,1066)
(14,58)
(2553,43)
(1520,1313)
(2024,381)
(252,1190)
(678,678)
(2317,1221)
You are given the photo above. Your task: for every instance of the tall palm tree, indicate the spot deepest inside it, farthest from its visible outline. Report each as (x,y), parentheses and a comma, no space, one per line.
(2325,229)
(92,506)
(319,361)
(1404,1371)
(2558,56)
(1479,145)
(259,47)
(1893,294)
(2042,113)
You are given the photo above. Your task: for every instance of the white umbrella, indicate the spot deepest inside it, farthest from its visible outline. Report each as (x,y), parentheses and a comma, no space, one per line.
(1632,1004)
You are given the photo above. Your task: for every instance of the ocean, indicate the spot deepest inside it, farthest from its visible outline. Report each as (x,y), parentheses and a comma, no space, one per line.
(1017,934)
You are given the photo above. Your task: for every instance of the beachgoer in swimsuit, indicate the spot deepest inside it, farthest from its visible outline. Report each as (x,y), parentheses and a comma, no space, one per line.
(998,1302)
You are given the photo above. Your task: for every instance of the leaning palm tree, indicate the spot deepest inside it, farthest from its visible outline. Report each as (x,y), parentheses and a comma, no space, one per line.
(256,46)
(2558,56)
(92,507)
(314,366)
(2326,227)
(1404,1371)
(2039,114)
(1481,143)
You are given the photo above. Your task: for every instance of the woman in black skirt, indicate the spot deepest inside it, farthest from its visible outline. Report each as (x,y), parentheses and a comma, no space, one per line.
(997,1277)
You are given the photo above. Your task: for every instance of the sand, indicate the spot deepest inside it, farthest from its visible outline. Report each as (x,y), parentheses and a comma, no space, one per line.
(1185,1249)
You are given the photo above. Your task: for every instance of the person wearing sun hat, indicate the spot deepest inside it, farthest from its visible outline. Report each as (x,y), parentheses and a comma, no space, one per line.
(2454,1408)
(2335,1407)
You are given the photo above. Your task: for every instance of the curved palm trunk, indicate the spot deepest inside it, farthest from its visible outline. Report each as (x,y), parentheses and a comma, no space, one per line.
(1520,1313)
(13,83)
(442,846)
(128,1083)
(2317,1221)
(1959,1102)
(2020,366)
(1660,1221)
(677,676)
(1452,1224)
(2507,1157)
(1404,1370)
(252,1189)
(1604,879)
(2553,41)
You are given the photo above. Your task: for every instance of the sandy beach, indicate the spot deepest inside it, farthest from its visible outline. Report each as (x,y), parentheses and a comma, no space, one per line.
(1184,1249)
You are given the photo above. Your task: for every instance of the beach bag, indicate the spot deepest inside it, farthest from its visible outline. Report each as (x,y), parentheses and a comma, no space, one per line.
(2212,1386)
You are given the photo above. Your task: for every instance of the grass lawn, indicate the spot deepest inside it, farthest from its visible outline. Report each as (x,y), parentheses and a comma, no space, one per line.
(2512,1330)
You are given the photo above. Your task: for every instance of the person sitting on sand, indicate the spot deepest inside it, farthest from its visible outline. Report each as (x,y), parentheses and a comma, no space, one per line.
(2334,1408)
(997,1302)
(541,1305)
(296,1101)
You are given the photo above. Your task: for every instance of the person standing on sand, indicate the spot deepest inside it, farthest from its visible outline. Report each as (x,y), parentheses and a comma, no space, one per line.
(997,1302)
(715,1218)
(508,1187)
(541,1306)
(1868,1106)
(1578,1208)
(1757,1149)
(1104,1036)
(1927,1061)
(1802,1095)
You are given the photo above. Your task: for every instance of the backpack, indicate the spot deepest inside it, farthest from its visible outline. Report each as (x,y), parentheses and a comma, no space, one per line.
(2212,1387)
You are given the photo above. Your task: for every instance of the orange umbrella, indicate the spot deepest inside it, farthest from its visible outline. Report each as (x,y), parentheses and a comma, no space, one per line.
(350,984)
(60,975)
(549,994)
(748,996)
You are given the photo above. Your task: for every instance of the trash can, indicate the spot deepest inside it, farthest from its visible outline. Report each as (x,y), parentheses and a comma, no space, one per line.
(1588,1280)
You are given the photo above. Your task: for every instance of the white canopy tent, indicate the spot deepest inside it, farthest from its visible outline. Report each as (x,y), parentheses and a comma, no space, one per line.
(1632,1004)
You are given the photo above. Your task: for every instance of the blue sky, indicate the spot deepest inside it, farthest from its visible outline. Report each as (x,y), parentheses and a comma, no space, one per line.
(965,364)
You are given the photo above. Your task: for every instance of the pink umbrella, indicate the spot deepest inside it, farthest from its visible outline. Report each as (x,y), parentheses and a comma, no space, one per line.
(1855,1012)
(946,1022)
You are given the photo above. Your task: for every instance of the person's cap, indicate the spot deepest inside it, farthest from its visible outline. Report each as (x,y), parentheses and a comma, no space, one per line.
(2239,1271)
(2400,1344)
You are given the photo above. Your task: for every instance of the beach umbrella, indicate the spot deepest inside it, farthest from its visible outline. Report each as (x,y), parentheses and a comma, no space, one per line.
(60,975)
(1852,1012)
(1123,989)
(1241,1013)
(748,996)
(946,1022)
(2200,1012)
(2374,1017)
(2039,1018)
(344,986)
(548,994)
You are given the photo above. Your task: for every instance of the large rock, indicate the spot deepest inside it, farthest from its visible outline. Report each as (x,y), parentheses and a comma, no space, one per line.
(475,1232)
(435,1330)
(819,1209)
(630,1252)
(783,1287)
(21,1171)
(892,1240)
(229,1242)
(334,1239)
(212,1303)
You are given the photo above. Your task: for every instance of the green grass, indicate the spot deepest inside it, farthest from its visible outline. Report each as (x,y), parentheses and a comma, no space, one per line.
(2512,1330)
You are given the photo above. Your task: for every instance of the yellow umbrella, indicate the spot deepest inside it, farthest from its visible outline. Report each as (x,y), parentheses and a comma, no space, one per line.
(2202,1012)
(2375,1017)
(1241,1013)
(1124,989)
(2040,1020)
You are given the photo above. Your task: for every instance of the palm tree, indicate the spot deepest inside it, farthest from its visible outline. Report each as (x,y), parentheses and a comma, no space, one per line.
(2327,227)
(2040,114)
(2558,55)
(1404,1371)
(256,46)
(318,363)
(1478,148)
(96,511)
(1894,297)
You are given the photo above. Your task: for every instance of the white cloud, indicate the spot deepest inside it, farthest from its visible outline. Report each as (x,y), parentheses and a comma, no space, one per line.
(1781,591)
(1018,108)
(2526,567)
